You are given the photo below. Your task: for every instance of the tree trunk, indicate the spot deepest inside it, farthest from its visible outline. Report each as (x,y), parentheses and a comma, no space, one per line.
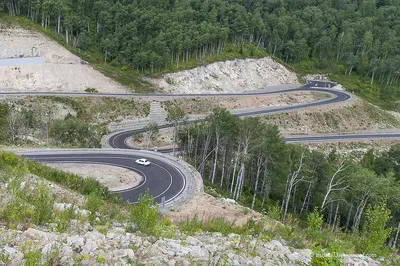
(58,23)
(223,168)
(204,154)
(234,173)
(351,69)
(214,171)
(335,217)
(306,198)
(293,181)
(259,162)
(372,78)
(333,185)
(359,212)
(349,217)
(396,237)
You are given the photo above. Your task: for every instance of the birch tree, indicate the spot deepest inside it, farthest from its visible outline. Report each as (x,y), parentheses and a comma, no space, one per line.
(175,116)
(249,131)
(293,179)
(223,126)
(261,163)
(336,183)
(14,123)
(151,131)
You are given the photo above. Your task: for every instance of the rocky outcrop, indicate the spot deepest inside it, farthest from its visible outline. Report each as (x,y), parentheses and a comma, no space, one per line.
(230,76)
(116,246)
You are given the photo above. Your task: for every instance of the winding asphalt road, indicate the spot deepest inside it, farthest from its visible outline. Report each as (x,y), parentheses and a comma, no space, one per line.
(161,178)
(119,139)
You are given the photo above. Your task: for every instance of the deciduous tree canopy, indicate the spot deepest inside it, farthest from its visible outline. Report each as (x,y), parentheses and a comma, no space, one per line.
(364,36)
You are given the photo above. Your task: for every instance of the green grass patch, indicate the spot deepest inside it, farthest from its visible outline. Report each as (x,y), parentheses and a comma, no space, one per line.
(84,186)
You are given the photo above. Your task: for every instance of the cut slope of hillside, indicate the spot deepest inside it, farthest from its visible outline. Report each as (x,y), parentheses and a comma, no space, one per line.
(341,118)
(231,76)
(62,71)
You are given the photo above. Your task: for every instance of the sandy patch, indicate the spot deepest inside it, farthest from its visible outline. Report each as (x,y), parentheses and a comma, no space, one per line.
(63,71)
(115,178)
(208,207)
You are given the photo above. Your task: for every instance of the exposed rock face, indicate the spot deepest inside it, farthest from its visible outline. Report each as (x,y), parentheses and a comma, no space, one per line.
(230,76)
(118,246)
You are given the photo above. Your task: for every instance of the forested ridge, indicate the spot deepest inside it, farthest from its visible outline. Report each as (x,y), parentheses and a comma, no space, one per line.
(360,35)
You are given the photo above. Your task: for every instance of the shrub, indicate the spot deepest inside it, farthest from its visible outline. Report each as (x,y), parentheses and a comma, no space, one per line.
(53,256)
(64,219)
(374,231)
(32,255)
(4,257)
(253,228)
(222,226)
(191,226)
(75,132)
(84,186)
(274,212)
(91,90)
(42,203)
(145,213)
(315,220)
(16,210)
(94,204)
(320,258)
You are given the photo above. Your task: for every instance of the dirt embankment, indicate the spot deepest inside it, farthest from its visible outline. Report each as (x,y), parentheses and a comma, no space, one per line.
(230,76)
(63,71)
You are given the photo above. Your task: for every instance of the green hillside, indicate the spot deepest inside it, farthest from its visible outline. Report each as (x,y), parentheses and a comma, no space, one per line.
(357,42)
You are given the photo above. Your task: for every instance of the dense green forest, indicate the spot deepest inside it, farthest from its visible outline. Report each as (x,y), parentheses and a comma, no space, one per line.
(360,35)
(248,160)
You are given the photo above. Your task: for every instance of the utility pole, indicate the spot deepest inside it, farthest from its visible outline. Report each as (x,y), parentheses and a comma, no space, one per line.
(47,134)
(47,129)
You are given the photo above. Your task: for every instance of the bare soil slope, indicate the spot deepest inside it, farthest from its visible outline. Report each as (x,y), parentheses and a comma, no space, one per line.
(63,71)
(334,119)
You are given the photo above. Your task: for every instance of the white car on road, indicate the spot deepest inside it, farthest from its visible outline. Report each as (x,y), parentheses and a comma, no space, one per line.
(142,161)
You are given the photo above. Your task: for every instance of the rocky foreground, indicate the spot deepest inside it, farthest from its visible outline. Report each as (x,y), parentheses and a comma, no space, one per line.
(89,246)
